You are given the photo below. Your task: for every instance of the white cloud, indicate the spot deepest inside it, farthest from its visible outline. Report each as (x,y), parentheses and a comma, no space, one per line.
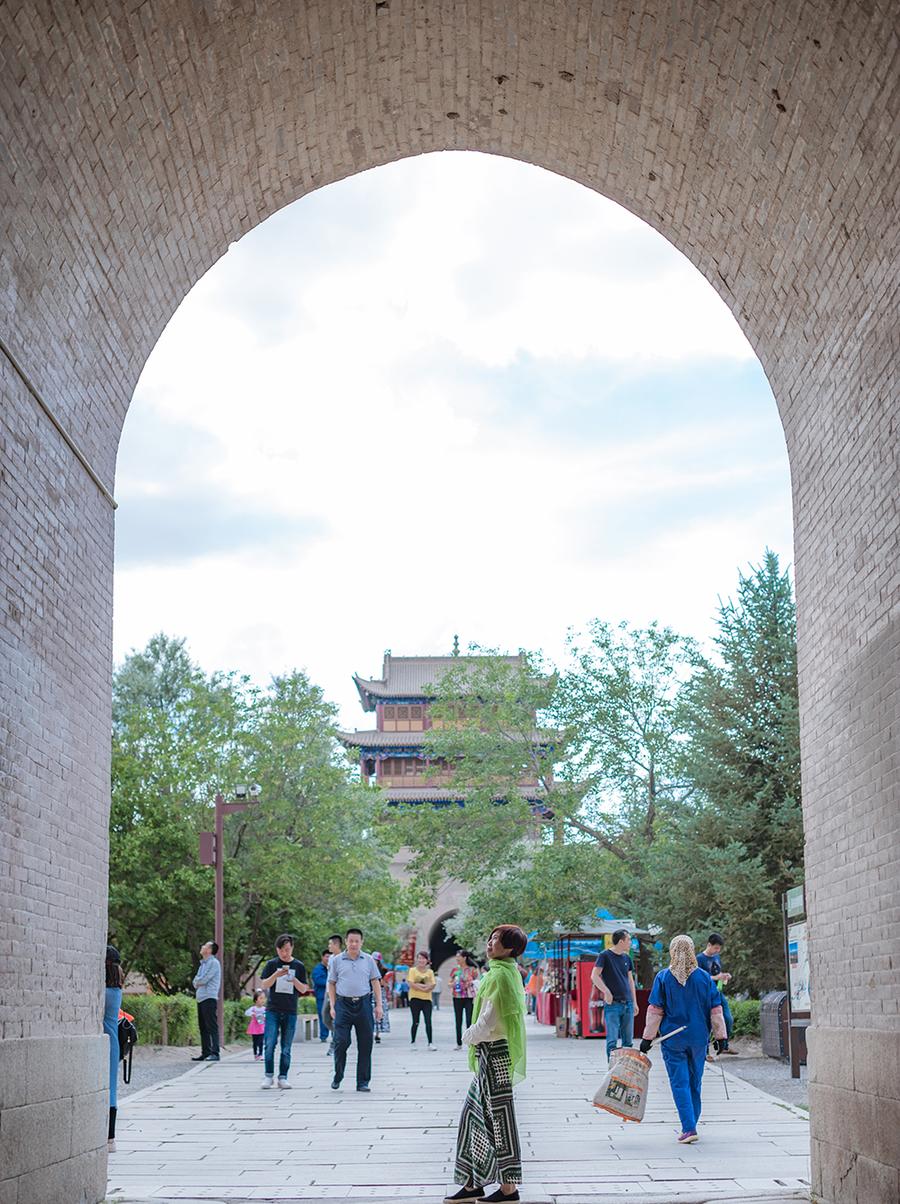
(461,390)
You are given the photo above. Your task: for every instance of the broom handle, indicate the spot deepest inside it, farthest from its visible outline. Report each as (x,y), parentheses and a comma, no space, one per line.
(673,1033)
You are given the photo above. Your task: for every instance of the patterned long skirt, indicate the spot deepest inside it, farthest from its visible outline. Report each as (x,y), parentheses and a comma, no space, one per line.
(487,1146)
(384,1024)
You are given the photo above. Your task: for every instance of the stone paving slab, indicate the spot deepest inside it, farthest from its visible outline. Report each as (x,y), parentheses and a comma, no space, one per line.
(212,1134)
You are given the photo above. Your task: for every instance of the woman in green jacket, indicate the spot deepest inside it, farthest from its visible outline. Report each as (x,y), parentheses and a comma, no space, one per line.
(487,1147)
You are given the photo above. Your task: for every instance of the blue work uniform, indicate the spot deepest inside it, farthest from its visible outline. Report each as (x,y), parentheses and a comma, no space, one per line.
(684,1056)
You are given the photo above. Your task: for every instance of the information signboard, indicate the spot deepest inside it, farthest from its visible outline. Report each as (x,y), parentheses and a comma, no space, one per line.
(798,967)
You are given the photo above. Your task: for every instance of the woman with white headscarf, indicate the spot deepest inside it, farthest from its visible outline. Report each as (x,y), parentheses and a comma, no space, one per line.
(684,996)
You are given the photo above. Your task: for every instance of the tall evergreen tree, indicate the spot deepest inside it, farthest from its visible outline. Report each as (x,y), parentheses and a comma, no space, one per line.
(743,752)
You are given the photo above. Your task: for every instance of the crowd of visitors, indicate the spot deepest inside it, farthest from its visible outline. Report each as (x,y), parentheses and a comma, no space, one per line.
(353,990)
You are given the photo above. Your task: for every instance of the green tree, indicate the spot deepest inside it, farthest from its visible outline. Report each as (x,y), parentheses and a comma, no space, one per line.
(743,757)
(306,858)
(622,705)
(309,858)
(602,742)
(486,742)
(550,884)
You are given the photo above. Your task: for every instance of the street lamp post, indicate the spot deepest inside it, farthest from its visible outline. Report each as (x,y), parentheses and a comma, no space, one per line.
(212,852)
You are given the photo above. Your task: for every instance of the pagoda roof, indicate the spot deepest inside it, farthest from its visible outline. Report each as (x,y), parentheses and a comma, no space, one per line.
(409,677)
(376,739)
(438,794)
(373,739)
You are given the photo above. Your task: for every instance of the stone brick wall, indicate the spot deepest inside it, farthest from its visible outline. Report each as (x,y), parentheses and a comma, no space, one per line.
(141,138)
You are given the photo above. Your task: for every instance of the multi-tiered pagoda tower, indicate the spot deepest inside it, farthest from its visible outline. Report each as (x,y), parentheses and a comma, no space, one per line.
(392,756)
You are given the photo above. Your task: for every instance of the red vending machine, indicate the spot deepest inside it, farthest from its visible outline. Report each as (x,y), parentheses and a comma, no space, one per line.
(588,1009)
(547,1008)
(587,1006)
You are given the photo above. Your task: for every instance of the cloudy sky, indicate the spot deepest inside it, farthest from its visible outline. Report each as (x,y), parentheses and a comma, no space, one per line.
(452,395)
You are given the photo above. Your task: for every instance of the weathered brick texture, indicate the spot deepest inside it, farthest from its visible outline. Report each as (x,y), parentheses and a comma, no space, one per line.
(139,139)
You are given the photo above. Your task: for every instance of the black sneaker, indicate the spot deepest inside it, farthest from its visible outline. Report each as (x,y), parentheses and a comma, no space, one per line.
(200,1058)
(466,1193)
(498,1195)
(364,1087)
(335,1084)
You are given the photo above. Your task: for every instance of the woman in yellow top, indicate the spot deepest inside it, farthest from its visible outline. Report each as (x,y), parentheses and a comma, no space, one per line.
(421,985)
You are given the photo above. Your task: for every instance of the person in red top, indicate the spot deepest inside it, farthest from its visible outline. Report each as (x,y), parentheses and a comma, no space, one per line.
(463,983)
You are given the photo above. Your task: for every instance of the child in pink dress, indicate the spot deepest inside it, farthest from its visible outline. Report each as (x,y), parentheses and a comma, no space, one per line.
(257,1026)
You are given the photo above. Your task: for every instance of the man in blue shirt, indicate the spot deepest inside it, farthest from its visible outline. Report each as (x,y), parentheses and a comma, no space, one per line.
(613,976)
(352,978)
(710,961)
(207,981)
(320,983)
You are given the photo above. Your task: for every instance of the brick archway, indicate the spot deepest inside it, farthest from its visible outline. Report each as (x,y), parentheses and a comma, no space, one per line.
(140,139)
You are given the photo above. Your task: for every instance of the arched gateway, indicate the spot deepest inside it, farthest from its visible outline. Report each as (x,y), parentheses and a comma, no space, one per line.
(140,139)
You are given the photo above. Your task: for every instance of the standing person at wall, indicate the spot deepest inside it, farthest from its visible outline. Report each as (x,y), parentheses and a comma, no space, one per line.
(207,981)
(463,983)
(115,980)
(684,995)
(487,1146)
(352,978)
(320,986)
(613,976)
(284,977)
(710,961)
(436,993)
(421,987)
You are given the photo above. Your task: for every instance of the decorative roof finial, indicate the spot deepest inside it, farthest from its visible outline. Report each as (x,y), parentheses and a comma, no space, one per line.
(456,645)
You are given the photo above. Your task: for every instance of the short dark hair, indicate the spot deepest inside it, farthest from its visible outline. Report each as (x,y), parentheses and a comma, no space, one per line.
(214,945)
(336,936)
(422,953)
(512,938)
(284,939)
(354,931)
(716,938)
(324,953)
(619,935)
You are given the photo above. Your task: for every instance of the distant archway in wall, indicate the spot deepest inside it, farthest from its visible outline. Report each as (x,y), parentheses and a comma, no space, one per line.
(141,140)
(441,945)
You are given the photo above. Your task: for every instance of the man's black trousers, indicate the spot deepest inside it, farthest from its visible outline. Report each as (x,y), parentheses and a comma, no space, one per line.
(353,1015)
(209,1026)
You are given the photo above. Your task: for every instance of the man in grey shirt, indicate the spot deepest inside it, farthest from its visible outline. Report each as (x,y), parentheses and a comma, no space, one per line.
(207,981)
(352,978)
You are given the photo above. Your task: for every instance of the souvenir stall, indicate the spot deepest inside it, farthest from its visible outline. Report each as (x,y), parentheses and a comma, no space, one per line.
(567,998)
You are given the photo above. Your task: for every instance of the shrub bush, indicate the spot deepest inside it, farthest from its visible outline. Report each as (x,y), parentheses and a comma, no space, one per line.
(235,1020)
(746,1017)
(146,1012)
(172,1019)
(164,1019)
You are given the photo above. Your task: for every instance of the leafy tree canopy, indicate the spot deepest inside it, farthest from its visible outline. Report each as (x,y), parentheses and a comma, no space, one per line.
(307,858)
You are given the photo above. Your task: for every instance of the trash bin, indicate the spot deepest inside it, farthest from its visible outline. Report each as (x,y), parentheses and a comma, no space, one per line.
(773,1016)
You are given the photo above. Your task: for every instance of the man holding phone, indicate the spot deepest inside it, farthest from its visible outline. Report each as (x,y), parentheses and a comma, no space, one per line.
(284,978)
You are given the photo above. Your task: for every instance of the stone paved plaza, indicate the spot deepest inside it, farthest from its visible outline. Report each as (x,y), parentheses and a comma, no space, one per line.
(211,1134)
